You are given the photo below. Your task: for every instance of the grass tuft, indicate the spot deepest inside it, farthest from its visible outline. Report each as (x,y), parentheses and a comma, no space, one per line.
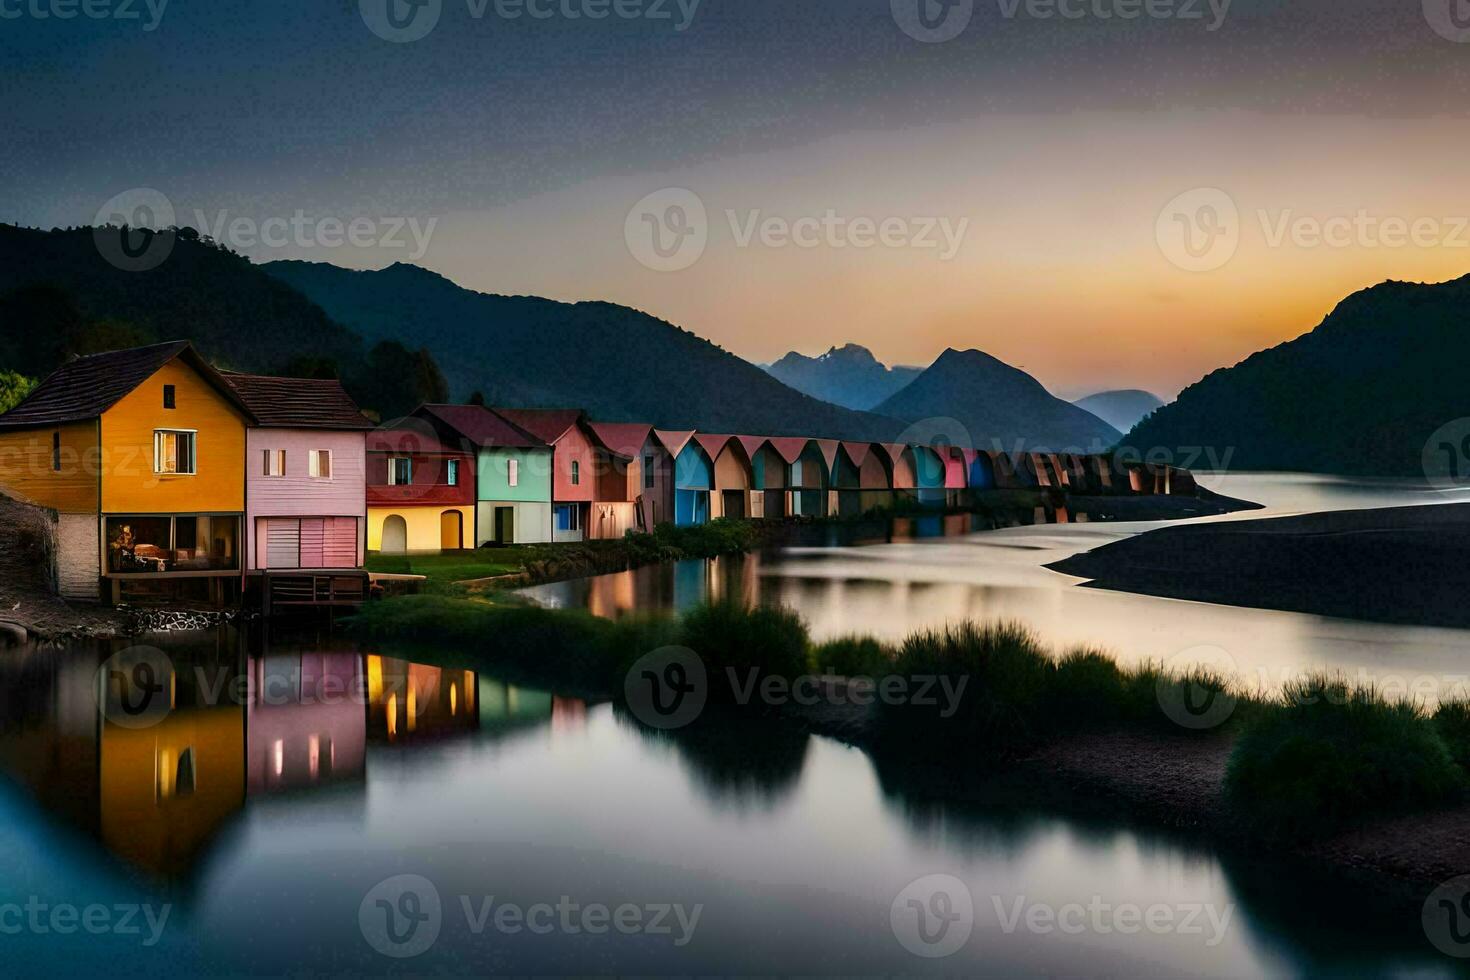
(1331,753)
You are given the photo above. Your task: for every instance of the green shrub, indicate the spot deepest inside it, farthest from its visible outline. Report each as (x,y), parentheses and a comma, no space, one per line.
(734,639)
(1002,707)
(854,656)
(1452,721)
(1331,753)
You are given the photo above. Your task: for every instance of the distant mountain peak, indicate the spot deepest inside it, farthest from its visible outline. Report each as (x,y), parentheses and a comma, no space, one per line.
(848,375)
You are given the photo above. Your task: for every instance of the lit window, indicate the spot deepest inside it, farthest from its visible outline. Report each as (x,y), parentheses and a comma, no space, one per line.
(513,472)
(275,462)
(576,472)
(173,451)
(168,397)
(451,473)
(319,464)
(400,471)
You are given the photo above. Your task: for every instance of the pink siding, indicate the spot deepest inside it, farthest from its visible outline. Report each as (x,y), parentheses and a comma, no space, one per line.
(298,495)
(574,446)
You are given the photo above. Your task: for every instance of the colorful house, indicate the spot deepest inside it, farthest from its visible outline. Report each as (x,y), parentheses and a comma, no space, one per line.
(769,475)
(733,482)
(862,479)
(577,461)
(420,488)
(638,469)
(694,476)
(140,453)
(305,476)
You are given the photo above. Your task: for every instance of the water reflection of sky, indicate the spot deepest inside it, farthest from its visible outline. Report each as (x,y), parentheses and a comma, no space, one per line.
(890,589)
(794,846)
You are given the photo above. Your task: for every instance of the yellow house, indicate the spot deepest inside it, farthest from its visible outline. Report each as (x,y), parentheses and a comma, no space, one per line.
(140,454)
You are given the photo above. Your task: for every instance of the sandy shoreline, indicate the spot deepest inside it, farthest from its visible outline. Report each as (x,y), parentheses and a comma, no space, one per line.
(1403,565)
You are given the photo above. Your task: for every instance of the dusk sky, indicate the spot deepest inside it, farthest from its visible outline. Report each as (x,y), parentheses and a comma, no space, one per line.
(1048,148)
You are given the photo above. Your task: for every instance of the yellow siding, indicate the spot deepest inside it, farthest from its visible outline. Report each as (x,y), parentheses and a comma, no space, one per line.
(130,486)
(26,469)
(423,526)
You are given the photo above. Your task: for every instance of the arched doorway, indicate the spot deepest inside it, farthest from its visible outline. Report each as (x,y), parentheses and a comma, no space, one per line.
(395,535)
(451,530)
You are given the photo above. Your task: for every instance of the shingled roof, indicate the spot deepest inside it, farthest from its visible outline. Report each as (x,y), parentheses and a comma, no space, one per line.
(86,387)
(298,403)
(483,427)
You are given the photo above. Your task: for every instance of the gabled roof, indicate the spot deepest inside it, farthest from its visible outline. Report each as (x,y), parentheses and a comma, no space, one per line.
(829,451)
(411,435)
(751,444)
(857,452)
(483,427)
(546,424)
(86,387)
(788,448)
(298,403)
(674,440)
(623,438)
(712,444)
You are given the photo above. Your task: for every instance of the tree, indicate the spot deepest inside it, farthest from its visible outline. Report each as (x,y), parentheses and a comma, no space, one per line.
(13,389)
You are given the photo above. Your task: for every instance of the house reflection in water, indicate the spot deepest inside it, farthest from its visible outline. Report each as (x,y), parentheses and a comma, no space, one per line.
(306,723)
(167,788)
(415,702)
(157,790)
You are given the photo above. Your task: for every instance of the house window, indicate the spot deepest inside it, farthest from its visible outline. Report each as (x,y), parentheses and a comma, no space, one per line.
(173,451)
(568,517)
(648,472)
(576,472)
(513,472)
(275,462)
(168,397)
(56,451)
(451,473)
(400,471)
(319,464)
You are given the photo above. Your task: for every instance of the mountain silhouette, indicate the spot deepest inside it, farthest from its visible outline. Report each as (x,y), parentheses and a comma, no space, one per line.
(1121,409)
(1000,407)
(1360,394)
(849,376)
(620,364)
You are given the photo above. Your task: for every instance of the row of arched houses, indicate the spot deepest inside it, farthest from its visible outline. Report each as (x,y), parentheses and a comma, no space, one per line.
(784,476)
(517,476)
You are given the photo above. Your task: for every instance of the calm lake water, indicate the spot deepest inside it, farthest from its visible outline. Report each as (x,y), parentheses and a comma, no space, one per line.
(267,821)
(934,571)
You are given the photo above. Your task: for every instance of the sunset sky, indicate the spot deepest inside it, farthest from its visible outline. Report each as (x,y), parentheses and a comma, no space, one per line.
(1054,143)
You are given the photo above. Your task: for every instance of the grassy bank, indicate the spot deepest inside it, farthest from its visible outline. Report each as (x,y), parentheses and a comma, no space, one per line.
(1320,755)
(488,568)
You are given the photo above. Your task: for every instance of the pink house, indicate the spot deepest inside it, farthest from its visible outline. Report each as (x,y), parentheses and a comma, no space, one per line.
(574,465)
(305,476)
